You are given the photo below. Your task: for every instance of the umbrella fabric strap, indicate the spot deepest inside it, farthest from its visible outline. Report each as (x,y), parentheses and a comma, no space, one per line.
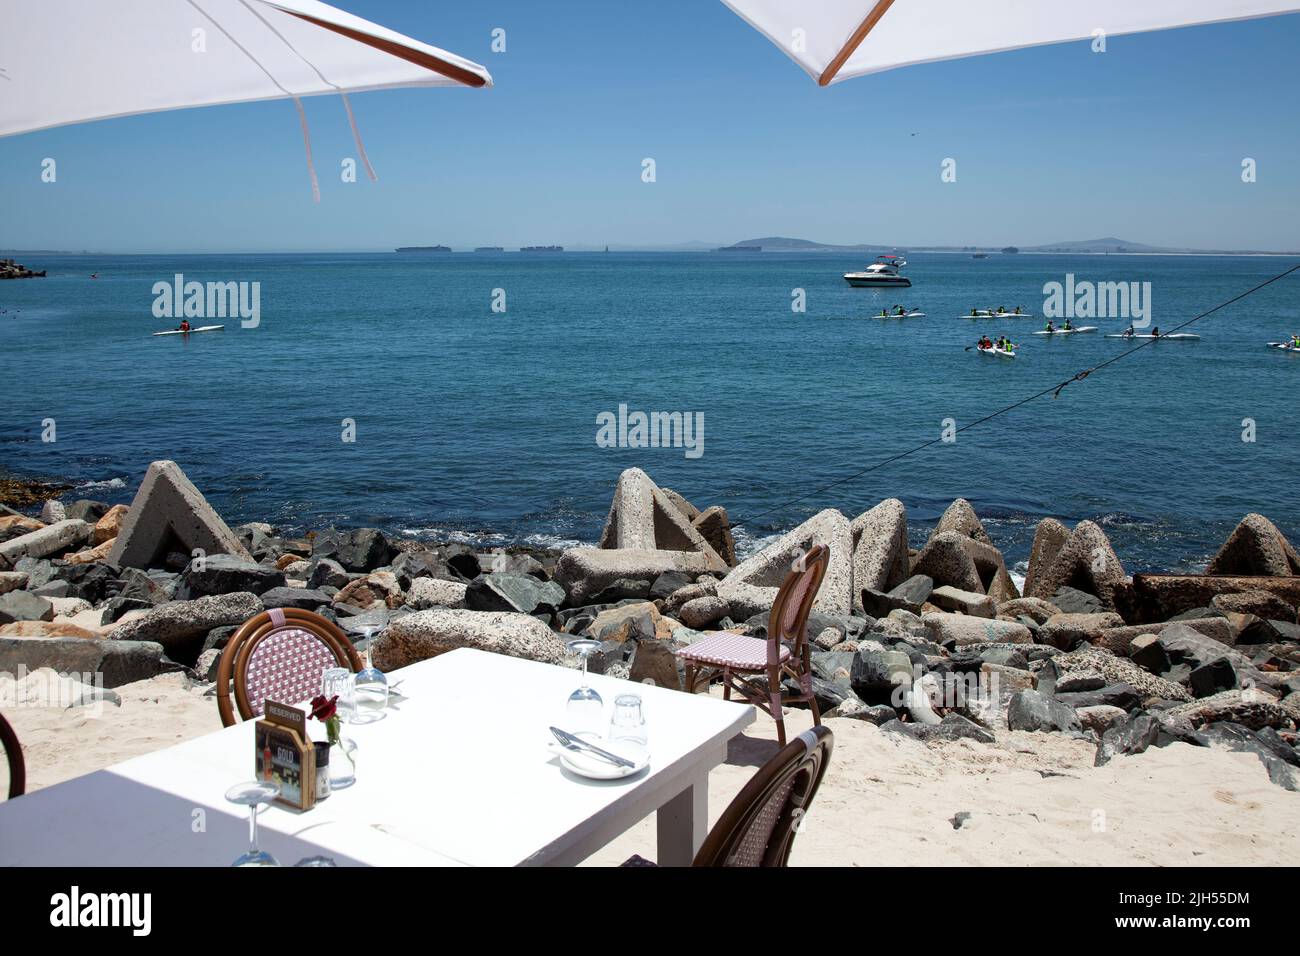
(356,138)
(306,139)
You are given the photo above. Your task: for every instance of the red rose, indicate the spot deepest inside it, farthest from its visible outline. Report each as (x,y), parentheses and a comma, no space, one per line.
(323,708)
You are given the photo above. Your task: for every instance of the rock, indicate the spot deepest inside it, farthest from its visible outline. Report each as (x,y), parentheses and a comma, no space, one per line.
(654,661)
(877,676)
(667,584)
(90,555)
(359,550)
(1277,757)
(47,629)
(379,589)
(642,518)
(957,727)
(1086,562)
(206,667)
(120,662)
(53,511)
(963,602)
(585,572)
(12,581)
(1123,696)
(915,590)
(1067,631)
(1255,547)
(1127,737)
(961,518)
(680,598)
(702,612)
(1073,601)
(963,630)
(1100,717)
(53,539)
(1259,603)
(624,589)
(854,709)
(947,561)
(169,514)
(1185,645)
(110,525)
(177,624)
(715,528)
(362,624)
(876,604)
(225,574)
(24,606)
(1032,711)
(1260,631)
(86,510)
(879,541)
(1005,657)
(409,567)
(1118,639)
(304,598)
(629,622)
(751,586)
(1036,609)
(1049,538)
(426,634)
(1119,670)
(434,592)
(1162,596)
(1251,708)
(16,525)
(1147,651)
(326,572)
(521,593)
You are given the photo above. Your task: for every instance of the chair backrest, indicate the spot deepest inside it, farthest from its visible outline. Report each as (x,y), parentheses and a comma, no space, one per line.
(280,655)
(789,618)
(14,752)
(759,827)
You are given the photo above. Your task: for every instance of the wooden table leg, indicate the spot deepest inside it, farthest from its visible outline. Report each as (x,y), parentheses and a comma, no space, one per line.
(682,824)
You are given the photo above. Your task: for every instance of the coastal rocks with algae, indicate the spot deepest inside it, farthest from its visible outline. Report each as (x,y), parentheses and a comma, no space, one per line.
(936,643)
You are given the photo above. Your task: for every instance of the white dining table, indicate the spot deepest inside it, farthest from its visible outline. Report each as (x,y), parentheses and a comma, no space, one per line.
(457,772)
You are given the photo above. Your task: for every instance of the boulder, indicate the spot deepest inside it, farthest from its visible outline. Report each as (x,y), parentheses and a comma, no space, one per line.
(654,662)
(379,589)
(1118,670)
(53,511)
(585,572)
(1029,710)
(1049,538)
(1250,708)
(1162,596)
(326,572)
(47,629)
(715,528)
(1255,547)
(304,599)
(1279,759)
(1146,651)
(1100,718)
(1127,737)
(120,662)
(54,539)
(88,510)
(225,574)
(24,606)
(426,634)
(683,596)
(16,525)
(642,518)
(1067,631)
(1036,609)
(1123,696)
(358,550)
(701,612)
(99,552)
(962,630)
(1086,562)
(960,517)
(665,585)
(167,515)
(177,624)
(751,586)
(879,541)
(947,561)
(12,581)
(521,593)
(110,525)
(630,622)
(956,727)
(963,602)
(427,593)
(1118,640)
(1259,603)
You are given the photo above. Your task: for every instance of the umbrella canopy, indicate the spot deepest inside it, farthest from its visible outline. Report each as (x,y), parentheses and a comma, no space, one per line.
(838,39)
(70,61)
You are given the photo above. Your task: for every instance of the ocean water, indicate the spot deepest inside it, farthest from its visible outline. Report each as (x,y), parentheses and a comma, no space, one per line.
(482,426)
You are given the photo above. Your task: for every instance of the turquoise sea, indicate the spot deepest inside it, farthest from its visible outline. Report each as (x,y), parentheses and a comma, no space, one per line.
(482,425)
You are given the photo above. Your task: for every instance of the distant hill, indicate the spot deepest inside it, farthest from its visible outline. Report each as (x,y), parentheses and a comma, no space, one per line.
(1110,244)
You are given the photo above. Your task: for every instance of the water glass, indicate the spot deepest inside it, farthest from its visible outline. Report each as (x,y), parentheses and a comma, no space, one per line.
(628,723)
(341,683)
(370,686)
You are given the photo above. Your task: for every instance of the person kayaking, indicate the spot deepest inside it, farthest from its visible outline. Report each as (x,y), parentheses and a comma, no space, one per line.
(1018,312)
(1050,327)
(985,342)
(884,314)
(184,326)
(1129,332)
(1067,326)
(1155,332)
(1295,341)
(900,310)
(1002,310)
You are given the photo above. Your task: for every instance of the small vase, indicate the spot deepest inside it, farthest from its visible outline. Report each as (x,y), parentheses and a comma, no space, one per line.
(343,763)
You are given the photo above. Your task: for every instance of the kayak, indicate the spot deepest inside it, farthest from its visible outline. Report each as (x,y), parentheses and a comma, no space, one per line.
(1284,346)
(202,328)
(1000,353)
(998,315)
(1084,328)
(893,315)
(1172,335)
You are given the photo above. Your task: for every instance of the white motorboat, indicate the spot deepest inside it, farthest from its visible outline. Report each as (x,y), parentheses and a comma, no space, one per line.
(881,273)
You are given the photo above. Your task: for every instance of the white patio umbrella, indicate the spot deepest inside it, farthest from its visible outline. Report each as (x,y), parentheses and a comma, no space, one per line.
(838,39)
(72,61)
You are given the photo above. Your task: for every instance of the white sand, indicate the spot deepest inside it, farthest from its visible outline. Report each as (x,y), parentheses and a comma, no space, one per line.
(886,800)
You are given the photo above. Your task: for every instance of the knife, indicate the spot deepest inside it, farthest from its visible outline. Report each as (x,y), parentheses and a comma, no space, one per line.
(573,742)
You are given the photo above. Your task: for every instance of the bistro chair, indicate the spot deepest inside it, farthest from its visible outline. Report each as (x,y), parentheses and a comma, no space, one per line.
(744,663)
(14,753)
(759,827)
(279,655)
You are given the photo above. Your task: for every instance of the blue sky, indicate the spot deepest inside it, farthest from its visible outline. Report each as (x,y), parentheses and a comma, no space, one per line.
(1144,142)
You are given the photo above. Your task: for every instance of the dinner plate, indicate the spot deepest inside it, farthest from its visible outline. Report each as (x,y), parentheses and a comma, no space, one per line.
(588,765)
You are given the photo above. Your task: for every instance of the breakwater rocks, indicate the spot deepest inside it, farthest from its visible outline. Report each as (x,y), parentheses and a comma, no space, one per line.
(12,270)
(936,643)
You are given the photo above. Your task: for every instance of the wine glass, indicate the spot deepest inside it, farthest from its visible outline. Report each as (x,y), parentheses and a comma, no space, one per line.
(585,707)
(253,794)
(370,686)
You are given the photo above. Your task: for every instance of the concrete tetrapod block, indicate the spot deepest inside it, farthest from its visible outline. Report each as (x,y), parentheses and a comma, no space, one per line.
(879,538)
(585,572)
(1049,538)
(643,518)
(752,585)
(169,514)
(1255,547)
(1087,562)
(961,517)
(52,539)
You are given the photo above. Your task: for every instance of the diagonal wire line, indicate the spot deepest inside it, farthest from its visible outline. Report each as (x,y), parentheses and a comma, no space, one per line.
(1054,390)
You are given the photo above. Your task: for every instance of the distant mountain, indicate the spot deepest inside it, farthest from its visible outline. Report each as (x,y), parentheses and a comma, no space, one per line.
(1108,245)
